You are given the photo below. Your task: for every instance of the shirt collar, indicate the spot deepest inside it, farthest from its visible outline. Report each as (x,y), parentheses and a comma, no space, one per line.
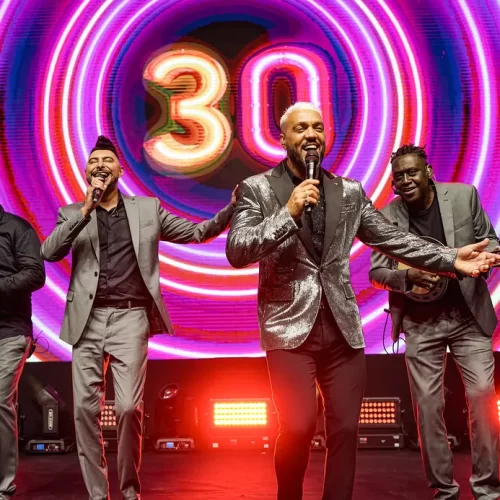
(297,180)
(119,205)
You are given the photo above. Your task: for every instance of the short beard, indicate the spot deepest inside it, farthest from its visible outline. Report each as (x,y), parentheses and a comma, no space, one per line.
(296,160)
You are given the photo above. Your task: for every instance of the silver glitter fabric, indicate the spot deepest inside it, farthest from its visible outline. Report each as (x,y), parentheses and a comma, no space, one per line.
(292,276)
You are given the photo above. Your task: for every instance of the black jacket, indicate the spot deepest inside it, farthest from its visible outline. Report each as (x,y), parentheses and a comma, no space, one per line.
(21,273)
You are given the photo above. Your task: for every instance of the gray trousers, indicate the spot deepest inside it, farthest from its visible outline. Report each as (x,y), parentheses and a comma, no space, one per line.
(426,342)
(116,337)
(14,352)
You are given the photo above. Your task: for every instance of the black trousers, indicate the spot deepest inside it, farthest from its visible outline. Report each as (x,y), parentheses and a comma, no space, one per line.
(339,370)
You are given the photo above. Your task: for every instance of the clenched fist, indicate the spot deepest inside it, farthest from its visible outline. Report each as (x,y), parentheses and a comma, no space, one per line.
(96,183)
(306,193)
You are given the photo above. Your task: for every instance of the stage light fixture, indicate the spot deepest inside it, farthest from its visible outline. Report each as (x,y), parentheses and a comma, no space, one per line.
(57,433)
(109,424)
(380,412)
(108,417)
(380,423)
(176,420)
(240,413)
(241,423)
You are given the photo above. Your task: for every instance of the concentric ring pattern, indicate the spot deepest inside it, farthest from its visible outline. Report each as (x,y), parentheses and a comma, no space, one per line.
(385,72)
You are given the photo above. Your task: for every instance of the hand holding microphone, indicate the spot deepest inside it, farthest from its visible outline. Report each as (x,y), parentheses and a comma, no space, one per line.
(99,183)
(304,195)
(98,189)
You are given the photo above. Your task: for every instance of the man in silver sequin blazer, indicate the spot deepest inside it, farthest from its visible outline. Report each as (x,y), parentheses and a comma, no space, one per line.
(308,316)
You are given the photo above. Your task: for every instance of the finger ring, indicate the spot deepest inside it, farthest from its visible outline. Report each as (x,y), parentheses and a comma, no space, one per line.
(307,195)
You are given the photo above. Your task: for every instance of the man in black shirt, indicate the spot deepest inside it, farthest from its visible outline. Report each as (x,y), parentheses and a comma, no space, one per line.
(114,303)
(460,317)
(21,273)
(309,320)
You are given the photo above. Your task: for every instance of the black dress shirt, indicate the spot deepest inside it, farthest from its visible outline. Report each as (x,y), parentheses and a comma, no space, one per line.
(119,277)
(21,273)
(429,222)
(316,218)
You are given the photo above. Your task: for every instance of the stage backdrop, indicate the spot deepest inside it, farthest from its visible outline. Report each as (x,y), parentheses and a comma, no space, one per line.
(192,91)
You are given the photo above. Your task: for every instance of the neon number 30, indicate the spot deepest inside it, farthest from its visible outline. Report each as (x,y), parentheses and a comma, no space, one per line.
(203,82)
(312,83)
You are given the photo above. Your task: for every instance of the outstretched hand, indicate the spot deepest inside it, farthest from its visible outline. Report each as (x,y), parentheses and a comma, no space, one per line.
(472,260)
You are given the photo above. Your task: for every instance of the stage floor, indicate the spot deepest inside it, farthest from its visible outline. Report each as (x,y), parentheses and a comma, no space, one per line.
(224,475)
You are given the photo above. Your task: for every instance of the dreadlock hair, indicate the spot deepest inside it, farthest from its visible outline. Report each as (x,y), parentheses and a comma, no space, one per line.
(104,143)
(409,149)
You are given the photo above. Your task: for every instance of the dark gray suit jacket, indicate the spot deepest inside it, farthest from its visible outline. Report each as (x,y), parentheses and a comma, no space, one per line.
(464,222)
(149,223)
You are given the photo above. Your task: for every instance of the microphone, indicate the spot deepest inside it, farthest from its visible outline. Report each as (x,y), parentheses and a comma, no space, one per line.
(312,161)
(96,195)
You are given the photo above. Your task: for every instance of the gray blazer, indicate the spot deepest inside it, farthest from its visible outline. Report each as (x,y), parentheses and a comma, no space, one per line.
(291,274)
(149,223)
(464,222)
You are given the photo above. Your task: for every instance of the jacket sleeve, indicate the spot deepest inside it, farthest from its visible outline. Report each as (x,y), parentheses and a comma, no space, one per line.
(179,230)
(31,274)
(58,244)
(253,236)
(383,274)
(482,224)
(375,230)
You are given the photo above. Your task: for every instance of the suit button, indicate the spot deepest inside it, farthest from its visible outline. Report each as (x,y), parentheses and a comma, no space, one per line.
(91,296)
(96,274)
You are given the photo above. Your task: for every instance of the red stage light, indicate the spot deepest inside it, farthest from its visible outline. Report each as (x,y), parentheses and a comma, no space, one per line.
(241,423)
(108,416)
(380,412)
(240,413)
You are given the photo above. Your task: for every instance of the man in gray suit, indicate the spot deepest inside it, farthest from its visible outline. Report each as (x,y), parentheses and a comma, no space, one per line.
(309,320)
(114,304)
(462,318)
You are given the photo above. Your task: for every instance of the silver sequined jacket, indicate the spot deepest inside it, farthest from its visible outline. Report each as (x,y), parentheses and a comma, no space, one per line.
(292,275)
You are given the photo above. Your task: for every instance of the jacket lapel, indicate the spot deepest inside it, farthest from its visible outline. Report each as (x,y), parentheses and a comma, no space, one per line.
(333,200)
(446,214)
(283,186)
(132,209)
(93,234)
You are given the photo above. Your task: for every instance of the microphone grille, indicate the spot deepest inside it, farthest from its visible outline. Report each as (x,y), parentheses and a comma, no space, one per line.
(312,155)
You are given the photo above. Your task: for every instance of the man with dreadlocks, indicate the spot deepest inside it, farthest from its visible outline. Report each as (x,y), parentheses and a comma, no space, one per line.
(461,318)
(114,304)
